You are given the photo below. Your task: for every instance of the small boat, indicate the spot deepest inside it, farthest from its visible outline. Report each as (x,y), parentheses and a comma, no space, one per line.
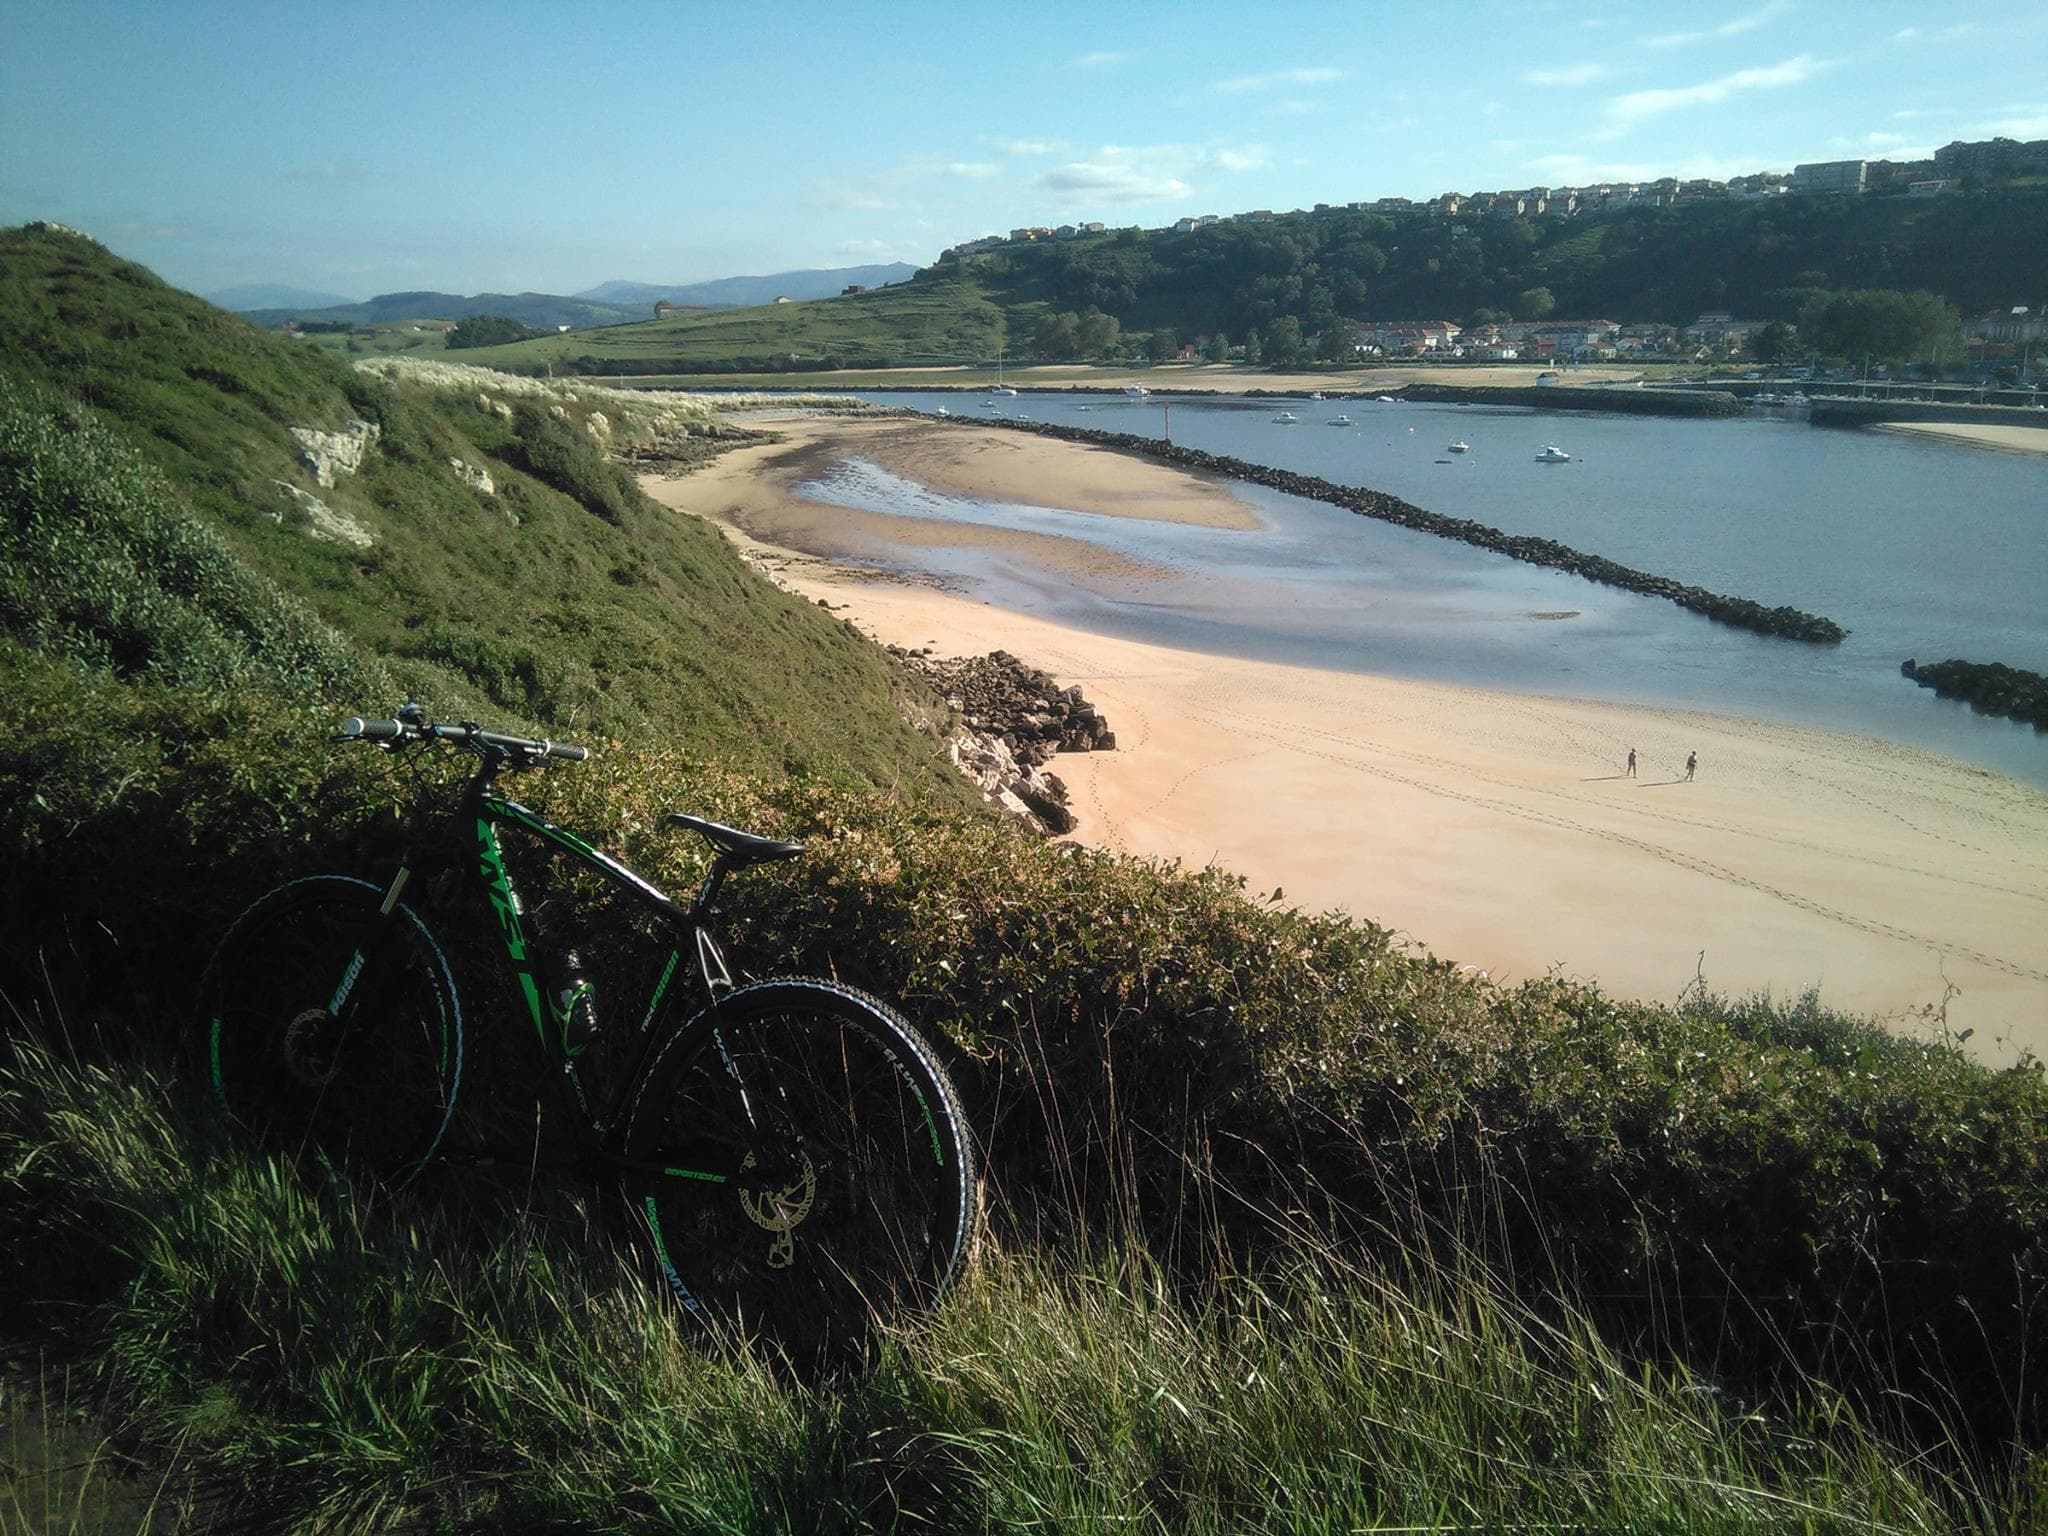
(1136,391)
(1388,400)
(1001,389)
(1287,418)
(1340,421)
(944,412)
(1316,394)
(1552,454)
(1460,446)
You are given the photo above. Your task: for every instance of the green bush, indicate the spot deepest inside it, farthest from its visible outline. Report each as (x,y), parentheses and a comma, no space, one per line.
(103,566)
(476,1357)
(553,450)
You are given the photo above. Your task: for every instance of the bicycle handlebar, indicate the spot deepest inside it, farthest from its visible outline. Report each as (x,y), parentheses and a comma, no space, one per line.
(356,728)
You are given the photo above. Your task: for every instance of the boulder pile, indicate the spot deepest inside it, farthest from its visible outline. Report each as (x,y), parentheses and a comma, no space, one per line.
(1013,719)
(1989,687)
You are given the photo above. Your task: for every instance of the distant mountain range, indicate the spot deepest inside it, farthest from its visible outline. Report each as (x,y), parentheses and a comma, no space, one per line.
(613,303)
(274,296)
(738,292)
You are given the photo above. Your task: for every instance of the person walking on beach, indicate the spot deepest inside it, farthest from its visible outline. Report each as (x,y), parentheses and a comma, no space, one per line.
(1692,761)
(1631,762)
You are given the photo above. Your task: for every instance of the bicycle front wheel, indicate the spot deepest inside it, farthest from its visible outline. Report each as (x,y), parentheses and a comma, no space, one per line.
(330,1024)
(800,1166)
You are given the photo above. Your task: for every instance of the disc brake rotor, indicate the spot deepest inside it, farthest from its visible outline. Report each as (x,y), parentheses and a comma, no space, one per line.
(785,1205)
(780,1207)
(310,1048)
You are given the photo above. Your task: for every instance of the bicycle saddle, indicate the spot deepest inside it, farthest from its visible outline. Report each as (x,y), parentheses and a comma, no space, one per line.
(735,845)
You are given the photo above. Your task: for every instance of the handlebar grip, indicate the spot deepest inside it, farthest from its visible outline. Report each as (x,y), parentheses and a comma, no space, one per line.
(356,728)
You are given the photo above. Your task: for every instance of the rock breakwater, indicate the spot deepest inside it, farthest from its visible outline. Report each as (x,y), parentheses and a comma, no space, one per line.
(1741,612)
(1013,718)
(1989,687)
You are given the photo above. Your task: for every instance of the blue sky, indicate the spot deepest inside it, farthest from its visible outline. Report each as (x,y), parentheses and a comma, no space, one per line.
(362,148)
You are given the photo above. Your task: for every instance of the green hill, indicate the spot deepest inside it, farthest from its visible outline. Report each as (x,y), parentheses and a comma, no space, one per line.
(929,321)
(1287,1218)
(1759,260)
(561,594)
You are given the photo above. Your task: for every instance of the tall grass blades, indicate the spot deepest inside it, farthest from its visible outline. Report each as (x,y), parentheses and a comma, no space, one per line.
(490,1362)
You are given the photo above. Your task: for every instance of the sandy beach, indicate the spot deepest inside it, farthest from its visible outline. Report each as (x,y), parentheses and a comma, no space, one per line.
(1978,434)
(1496,829)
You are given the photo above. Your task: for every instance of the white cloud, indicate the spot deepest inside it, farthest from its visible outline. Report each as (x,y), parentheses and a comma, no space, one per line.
(1574,74)
(1249,158)
(1889,146)
(1117,173)
(1107,59)
(1295,108)
(1025,148)
(1110,181)
(1635,106)
(1240,84)
(330,173)
(1735,28)
(852,196)
(895,189)
(2027,122)
(1961,32)
(1915,114)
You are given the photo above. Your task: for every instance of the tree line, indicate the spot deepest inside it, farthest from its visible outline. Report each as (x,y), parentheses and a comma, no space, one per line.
(1783,260)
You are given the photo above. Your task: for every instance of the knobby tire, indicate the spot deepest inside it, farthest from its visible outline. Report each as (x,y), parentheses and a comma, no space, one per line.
(374,1085)
(848,1186)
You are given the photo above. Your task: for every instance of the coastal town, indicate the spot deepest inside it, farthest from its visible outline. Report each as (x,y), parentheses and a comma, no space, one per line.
(1714,335)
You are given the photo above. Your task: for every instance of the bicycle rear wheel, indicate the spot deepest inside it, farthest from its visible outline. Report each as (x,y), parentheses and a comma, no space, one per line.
(329,1025)
(800,1166)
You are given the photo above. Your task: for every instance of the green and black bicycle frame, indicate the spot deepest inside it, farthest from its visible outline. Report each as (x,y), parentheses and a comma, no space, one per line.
(483,810)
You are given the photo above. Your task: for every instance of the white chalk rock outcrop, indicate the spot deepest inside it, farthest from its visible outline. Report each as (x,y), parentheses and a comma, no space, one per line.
(330,453)
(475,476)
(321,521)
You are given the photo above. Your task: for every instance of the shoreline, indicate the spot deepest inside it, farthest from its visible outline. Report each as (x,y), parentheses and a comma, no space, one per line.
(1498,829)
(2031,441)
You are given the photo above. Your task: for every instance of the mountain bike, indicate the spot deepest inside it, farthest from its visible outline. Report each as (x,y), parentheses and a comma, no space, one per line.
(792,1152)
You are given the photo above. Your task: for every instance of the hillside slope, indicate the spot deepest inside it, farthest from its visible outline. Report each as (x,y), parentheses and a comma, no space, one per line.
(560,593)
(186,609)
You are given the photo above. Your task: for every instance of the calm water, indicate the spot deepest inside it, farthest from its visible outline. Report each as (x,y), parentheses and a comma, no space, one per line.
(1920,549)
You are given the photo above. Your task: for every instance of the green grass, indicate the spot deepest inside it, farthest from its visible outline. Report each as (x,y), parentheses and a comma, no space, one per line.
(493,1362)
(382,339)
(908,324)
